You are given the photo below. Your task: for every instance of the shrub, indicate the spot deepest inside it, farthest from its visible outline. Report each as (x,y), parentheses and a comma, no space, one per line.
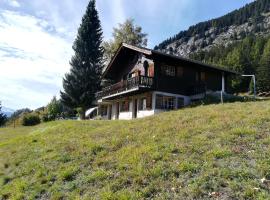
(45,118)
(30,120)
(3,117)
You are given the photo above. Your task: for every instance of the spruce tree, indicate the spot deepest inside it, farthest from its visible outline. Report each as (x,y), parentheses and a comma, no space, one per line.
(3,117)
(83,80)
(263,71)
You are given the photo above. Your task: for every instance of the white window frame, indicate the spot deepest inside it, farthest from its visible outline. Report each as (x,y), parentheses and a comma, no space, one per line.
(169,70)
(168,102)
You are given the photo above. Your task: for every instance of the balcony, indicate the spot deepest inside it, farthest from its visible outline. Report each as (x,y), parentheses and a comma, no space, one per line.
(138,82)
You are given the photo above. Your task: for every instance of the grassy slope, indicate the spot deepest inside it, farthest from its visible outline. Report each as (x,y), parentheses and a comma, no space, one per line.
(212,151)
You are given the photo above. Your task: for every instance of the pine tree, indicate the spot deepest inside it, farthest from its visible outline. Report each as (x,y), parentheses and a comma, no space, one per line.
(83,80)
(263,71)
(3,117)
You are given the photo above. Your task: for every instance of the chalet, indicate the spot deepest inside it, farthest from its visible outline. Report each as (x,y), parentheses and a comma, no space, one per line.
(142,82)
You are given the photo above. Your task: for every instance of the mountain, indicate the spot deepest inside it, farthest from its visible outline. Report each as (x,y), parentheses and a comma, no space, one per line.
(7,111)
(254,18)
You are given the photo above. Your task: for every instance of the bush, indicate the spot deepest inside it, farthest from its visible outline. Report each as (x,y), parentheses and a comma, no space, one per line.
(30,120)
(45,118)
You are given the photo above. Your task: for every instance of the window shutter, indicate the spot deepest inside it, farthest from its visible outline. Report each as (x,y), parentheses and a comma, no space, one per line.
(180,71)
(151,70)
(149,101)
(203,76)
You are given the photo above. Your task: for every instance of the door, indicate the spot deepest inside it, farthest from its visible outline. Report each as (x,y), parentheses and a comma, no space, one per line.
(110,112)
(135,109)
(117,110)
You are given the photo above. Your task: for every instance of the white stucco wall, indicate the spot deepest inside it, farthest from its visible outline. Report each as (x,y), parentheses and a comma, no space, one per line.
(114,111)
(144,113)
(125,115)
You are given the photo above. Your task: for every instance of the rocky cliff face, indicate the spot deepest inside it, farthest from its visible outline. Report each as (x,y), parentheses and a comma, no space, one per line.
(218,36)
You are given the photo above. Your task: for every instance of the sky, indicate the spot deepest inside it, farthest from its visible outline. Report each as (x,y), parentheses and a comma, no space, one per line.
(36,37)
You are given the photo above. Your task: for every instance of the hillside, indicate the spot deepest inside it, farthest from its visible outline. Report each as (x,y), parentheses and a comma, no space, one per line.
(216,151)
(253,18)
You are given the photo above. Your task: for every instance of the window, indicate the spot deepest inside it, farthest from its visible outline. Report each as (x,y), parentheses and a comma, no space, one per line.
(197,76)
(169,103)
(142,104)
(124,106)
(180,72)
(165,102)
(159,102)
(203,76)
(180,103)
(168,70)
(200,76)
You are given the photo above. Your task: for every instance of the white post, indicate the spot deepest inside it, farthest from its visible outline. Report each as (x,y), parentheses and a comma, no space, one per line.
(222,88)
(223,83)
(254,82)
(221,97)
(154,96)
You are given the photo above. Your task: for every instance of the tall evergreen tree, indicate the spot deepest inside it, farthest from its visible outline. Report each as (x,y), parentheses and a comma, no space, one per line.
(3,117)
(83,80)
(263,71)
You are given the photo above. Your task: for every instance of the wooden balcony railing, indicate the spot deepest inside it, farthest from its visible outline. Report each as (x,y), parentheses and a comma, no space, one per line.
(138,81)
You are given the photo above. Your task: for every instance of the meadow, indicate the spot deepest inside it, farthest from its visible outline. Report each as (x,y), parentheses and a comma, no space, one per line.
(205,152)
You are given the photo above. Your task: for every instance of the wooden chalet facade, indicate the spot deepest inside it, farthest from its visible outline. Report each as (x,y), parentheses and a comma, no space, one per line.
(142,82)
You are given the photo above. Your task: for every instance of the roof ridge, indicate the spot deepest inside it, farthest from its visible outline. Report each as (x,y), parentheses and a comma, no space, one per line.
(151,52)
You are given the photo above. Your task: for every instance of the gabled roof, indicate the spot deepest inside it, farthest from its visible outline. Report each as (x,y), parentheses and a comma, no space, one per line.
(150,52)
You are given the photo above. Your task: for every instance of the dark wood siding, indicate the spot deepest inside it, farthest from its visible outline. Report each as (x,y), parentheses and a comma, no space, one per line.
(129,62)
(192,76)
(213,81)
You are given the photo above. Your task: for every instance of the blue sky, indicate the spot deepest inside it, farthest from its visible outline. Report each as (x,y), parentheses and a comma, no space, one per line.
(36,37)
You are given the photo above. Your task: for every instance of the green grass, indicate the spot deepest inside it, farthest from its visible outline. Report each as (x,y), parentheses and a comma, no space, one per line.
(215,151)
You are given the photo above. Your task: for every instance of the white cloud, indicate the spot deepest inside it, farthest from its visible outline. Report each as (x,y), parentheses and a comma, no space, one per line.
(32,60)
(118,11)
(111,13)
(65,15)
(35,48)
(13,3)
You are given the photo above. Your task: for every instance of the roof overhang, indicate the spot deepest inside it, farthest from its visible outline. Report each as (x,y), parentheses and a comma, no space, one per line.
(120,50)
(158,53)
(150,52)
(90,111)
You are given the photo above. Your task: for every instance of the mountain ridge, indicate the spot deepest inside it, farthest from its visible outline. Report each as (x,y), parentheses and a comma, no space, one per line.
(253,18)
(7,111)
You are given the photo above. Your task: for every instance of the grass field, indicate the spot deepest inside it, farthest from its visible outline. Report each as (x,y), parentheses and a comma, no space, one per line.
(207,152)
